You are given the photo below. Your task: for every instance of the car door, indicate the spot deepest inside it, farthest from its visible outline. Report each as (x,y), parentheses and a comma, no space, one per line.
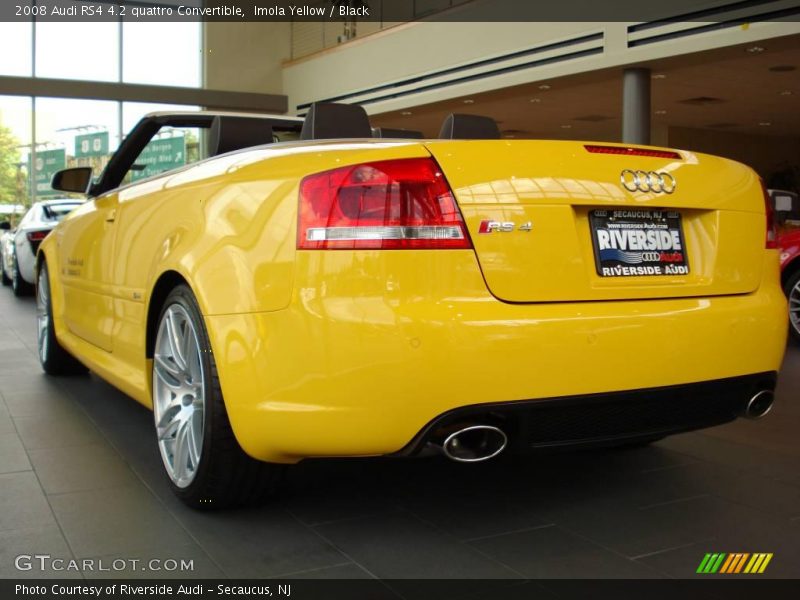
(86,247)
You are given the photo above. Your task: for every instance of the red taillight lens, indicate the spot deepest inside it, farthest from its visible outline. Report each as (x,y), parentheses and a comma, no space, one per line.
(37,236)
(630,151)
(772,231)
(393,204)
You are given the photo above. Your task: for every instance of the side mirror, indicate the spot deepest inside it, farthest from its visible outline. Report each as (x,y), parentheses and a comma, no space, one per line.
(75,180)
(5,226)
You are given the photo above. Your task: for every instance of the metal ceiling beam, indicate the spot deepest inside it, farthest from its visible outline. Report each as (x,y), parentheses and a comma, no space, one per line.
(129,92)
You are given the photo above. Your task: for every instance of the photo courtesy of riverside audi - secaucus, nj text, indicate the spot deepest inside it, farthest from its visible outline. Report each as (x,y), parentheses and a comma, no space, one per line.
(402,299)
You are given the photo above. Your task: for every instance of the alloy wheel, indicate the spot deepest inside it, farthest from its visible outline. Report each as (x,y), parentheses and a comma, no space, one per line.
(179,395)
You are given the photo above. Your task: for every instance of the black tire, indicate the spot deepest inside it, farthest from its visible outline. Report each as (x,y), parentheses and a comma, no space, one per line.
(224,475)
(52,356)
(5,278)
(792,290)
(19,286)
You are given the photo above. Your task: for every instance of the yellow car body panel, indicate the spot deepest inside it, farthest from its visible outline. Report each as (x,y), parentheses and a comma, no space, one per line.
(353,352)
(362,368)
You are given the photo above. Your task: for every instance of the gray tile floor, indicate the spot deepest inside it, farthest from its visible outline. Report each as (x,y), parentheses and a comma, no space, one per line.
(80,478)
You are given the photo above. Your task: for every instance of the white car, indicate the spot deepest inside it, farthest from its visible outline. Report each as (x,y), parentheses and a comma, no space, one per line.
(18,247)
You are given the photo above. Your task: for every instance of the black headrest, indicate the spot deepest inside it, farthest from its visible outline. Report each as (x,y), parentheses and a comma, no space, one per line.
(409,134)
(328,120)
(469,127)
(234,133)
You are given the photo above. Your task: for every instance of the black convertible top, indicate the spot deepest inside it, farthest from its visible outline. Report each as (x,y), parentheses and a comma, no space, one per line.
(144,131)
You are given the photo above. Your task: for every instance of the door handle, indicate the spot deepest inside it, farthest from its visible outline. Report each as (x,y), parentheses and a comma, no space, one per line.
(111,216)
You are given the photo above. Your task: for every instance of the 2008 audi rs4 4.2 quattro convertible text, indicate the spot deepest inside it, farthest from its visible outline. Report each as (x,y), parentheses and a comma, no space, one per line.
(309,290)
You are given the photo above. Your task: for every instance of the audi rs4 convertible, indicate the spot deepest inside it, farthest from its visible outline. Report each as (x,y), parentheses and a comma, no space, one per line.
(301,289)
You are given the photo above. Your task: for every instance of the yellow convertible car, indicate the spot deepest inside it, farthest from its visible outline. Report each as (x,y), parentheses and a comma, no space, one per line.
(277,289)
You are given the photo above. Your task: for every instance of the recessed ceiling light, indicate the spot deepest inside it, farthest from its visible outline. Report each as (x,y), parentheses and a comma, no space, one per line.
(661,112)
(468,101)
(566,126)
(765,123)
(536,100)
(405,113)
(544,86)
(786,93)
(659,76)
(756,49)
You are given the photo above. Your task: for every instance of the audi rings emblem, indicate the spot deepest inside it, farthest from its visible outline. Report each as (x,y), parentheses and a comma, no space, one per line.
(647,181)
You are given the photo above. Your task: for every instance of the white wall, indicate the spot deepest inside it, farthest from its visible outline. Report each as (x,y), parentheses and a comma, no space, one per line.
(246,57)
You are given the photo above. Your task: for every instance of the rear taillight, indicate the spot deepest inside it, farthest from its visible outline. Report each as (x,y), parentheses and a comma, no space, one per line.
(37,236)
(392,204)
(772,232)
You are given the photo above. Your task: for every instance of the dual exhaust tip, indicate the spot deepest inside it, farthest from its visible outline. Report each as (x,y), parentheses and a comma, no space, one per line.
(473,443)
(759,405)
(477,443)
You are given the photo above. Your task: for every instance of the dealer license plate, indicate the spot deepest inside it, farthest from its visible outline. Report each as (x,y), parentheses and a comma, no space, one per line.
(635,243)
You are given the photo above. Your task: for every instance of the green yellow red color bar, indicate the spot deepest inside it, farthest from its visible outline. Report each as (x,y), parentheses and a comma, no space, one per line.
(735,562)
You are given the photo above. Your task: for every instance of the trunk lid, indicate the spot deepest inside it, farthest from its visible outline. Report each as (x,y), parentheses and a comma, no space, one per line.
(548,217)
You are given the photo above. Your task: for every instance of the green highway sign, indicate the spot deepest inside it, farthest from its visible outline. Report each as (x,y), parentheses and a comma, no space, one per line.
(46,164)
(160,155)
(88,145)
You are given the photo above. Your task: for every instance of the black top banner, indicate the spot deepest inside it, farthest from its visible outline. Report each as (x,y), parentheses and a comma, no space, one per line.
(398,589)
(396,11)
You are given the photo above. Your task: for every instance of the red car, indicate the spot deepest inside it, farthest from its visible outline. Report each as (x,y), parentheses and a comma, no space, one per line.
(785,206)
(789,243)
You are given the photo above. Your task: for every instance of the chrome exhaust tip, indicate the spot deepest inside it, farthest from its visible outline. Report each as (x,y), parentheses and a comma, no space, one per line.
(760,404)
(475,443)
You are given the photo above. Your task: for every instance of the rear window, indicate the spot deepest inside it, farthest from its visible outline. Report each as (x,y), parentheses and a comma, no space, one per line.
(56,212)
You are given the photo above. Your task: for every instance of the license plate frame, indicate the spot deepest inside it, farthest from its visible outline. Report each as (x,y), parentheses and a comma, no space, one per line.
(624,247)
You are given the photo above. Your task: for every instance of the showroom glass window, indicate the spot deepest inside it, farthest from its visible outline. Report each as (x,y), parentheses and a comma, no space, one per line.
(171,148)
(72,133)
(16,49)
(15,146)
(174,47)
(78,50)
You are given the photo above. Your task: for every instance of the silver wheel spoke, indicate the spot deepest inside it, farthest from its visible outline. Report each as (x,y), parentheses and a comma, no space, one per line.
(180,454)
(187,348)
(167,430)
(166,371)
(193,447)
(175,341)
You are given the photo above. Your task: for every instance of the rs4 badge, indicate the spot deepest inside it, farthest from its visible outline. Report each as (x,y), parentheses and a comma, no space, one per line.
(503,226)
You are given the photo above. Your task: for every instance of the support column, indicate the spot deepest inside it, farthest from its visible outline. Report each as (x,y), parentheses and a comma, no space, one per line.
(636,106)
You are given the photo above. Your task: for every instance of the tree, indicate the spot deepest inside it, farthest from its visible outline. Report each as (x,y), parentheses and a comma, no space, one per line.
(9,167)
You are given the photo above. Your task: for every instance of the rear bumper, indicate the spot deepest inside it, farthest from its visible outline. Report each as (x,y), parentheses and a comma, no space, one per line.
(604,419)
(359,366)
